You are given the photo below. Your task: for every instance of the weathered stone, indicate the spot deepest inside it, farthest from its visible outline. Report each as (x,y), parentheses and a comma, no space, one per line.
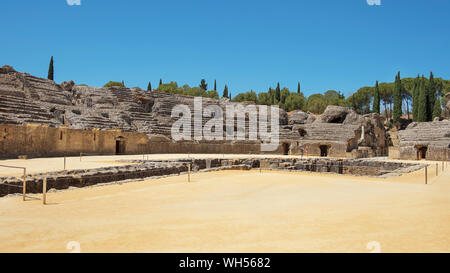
(338,114)
(68,86)
(27,99)
(430,140)
(297,117)
(6,69)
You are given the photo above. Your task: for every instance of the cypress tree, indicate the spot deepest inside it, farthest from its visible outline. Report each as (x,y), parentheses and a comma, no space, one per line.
(415,97)
(422,105)
(215,86)
(149,87)
(278,92)
(437,108)
(431,97)
(225,92)
(298,88)
(50,70)
(397,98)
(160,82)
(203,85)
(376,99)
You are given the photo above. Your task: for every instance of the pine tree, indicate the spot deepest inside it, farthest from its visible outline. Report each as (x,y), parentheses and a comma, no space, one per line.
(298,88)
(415,97)
(160,82)
(230,95)
(51,70)
(149,87)
(123,83)
(437,108)
(422,105)
(278,92)
(225,92)
(397,98)
(376,99)
(215,86)
(431,97)
(203,85)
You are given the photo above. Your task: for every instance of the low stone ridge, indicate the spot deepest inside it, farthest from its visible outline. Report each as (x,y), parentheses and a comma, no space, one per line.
(141,169)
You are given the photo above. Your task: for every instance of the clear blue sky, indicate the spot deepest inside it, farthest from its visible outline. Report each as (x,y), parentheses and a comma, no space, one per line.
(247,44)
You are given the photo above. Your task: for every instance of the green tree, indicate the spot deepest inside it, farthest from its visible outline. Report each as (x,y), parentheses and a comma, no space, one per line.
(278,93)
(360,101)
(160,82)
(437,110)
(113,83)
(397,98)
(415,97)
(247,96)
(203,85)
(376,99)
(334,97)
(171,88)
(298,88)
(423,101)
(431,97)
(215,86)
(213,94)
(316,103)
(295,101)
(225,92)
(284,93)
(264,99)
(51,70)
(386,92)
(149,87)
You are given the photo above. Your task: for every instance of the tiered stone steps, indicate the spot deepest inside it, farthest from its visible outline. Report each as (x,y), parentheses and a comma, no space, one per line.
(18,110)
(47,90)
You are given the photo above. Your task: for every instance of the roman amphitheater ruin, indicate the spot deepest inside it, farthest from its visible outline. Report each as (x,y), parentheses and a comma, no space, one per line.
(41,118)
(117,134)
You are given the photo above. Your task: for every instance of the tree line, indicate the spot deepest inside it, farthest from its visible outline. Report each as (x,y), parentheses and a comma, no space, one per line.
(420,98)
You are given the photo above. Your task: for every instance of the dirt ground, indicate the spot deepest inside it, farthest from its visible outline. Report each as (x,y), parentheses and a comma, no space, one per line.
(236,211)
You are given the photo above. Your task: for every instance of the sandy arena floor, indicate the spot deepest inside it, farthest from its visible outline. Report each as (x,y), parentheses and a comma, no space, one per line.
(236,211)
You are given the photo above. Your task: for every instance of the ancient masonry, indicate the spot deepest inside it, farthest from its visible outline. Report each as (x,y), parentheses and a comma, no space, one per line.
(140,169)
(41,118)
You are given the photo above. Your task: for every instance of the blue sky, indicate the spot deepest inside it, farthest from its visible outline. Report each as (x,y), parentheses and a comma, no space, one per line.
(247,44)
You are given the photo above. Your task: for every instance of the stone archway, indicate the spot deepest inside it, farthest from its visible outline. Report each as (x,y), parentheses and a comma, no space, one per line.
(120,145)
(324,150)
(286,148)
(421,152)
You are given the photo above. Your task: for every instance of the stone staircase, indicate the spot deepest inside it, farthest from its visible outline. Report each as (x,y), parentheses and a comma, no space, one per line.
(47,90)
(15,108)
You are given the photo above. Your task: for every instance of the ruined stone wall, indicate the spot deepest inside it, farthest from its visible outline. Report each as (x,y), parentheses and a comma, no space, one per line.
(139,169)
(37,140)
(146,119)
(434,137)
